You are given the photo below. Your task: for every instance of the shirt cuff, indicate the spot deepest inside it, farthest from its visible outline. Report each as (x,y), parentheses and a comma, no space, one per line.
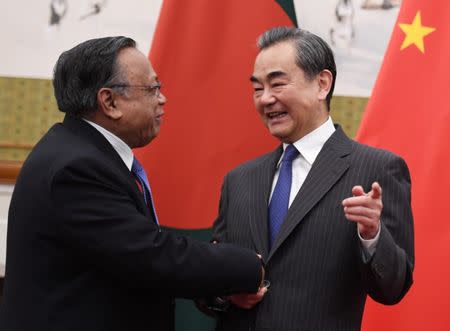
(370,245)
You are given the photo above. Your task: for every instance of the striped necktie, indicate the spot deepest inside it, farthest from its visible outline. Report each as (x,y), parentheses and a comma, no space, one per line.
(279,204)
(141,177)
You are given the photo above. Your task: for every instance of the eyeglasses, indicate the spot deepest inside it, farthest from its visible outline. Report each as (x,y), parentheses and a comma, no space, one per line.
(154,89)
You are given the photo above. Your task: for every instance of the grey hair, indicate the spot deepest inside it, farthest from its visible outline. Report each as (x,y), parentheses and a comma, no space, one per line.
(313,54)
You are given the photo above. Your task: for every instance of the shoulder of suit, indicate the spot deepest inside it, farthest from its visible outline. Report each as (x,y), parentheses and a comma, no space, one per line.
(61,149)
(253,164)
(360,149)
(339,139)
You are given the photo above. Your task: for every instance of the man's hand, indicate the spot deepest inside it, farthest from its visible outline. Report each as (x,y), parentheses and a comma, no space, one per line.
(365,209)
(247,300)
(263,272)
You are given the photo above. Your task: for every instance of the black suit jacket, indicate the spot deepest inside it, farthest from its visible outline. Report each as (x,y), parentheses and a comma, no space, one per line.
(319,276)
(84,253)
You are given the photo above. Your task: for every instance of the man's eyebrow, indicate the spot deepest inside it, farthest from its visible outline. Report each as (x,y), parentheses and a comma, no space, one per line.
(154,77)
(253,79)
(276,74)
(270,76)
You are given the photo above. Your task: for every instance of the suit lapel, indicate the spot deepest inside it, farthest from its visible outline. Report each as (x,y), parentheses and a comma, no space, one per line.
(326,170)
(85,131)
(260,187)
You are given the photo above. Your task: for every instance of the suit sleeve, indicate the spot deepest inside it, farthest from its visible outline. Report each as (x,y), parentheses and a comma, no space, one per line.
(388,274)
(100,221)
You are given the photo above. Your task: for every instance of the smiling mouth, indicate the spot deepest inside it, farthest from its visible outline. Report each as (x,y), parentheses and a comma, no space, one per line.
(276,115)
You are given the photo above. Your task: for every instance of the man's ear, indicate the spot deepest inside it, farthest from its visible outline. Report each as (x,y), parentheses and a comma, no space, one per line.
(325,80)
(107,103)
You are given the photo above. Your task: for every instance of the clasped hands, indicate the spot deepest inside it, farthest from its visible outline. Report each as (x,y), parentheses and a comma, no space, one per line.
(249,300)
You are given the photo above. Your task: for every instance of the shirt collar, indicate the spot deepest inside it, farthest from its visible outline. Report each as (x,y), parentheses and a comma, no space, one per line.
(310,145)
(118,144)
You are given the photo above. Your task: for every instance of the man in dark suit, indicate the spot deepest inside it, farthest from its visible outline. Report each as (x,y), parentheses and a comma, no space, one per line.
(85,250)
(330,217)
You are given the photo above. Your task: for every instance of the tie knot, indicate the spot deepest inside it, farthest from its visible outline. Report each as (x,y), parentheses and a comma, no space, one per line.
(290,153)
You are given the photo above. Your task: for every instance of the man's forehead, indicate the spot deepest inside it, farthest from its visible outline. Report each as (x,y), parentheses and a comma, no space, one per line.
(136,65)
(282,48)
(152,73)
(151,77)
(280,57)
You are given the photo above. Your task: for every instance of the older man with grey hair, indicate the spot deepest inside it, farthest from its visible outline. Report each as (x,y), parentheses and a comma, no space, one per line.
(331,217)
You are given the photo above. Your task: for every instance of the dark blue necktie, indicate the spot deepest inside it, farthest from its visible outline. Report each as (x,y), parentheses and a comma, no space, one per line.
(141,176)
(279,204)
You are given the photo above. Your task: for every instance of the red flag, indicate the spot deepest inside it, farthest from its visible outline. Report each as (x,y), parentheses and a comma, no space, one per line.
(409,114)
(203,52)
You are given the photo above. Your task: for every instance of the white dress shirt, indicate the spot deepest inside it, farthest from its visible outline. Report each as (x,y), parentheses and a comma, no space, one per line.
(124,151)
(309,147)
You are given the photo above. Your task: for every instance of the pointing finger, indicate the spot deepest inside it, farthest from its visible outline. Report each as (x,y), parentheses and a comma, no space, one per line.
(376,191)
(357,191)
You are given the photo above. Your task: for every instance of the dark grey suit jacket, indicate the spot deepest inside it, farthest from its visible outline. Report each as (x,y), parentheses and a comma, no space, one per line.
(318,272)
(84,252)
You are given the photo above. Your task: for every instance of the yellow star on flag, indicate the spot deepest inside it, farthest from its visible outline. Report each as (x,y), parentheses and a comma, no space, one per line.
(415,33)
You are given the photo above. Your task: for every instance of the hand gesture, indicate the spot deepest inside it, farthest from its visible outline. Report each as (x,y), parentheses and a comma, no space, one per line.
(365,209)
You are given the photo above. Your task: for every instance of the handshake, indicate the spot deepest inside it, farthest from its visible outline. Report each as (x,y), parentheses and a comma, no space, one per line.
(213,305)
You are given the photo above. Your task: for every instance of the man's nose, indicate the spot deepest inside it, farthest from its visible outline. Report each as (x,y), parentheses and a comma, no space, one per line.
(267,97)
(161,98)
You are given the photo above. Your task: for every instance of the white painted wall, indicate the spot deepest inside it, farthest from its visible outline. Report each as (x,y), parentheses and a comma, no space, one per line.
(359,63)
(34,45)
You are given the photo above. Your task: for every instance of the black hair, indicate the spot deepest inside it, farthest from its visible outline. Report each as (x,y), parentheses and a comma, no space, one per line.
(81,71)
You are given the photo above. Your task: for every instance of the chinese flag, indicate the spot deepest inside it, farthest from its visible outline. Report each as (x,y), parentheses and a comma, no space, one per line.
(203,53)
(409,114)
